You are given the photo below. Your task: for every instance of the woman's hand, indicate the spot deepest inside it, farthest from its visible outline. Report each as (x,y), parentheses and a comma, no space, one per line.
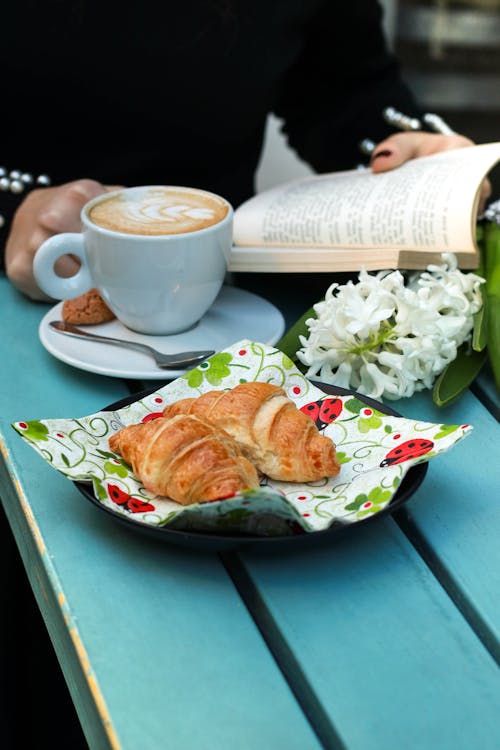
(401,147)
(43,213)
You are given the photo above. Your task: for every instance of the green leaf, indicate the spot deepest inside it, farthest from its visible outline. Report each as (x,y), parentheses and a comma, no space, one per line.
(354,405)
(494,337)
(34,430)
(480,330)
(290,342)
(343,458)
(193,377)
(446,429)
(105,454)
(480,241)
(377,495)
(366,424)
(100,490)
(119,469)
(490,247)
(458,375)
(358,501)
(492,252)
(218,368)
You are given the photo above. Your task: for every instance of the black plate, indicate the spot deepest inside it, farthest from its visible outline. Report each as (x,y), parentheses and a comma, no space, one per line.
(219,542)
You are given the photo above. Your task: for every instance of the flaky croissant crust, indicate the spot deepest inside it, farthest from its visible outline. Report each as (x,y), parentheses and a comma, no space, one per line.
(185,458)
(283,442)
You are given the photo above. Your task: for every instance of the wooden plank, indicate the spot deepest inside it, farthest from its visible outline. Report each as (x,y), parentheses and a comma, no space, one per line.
(32,380)
(80,677)
(153,637)
(456,512)
(31,682)
(363,616)
(369,635)
(156,647)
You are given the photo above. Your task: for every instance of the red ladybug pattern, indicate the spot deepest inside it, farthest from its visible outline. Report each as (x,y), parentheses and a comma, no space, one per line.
(153,415)
(132,504)
(324,411)
(407,450)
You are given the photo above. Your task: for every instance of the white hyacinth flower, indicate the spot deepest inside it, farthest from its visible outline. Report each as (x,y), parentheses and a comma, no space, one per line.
(388,339)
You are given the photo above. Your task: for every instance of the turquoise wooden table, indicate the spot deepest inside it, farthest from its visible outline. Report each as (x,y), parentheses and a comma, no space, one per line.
(384,637)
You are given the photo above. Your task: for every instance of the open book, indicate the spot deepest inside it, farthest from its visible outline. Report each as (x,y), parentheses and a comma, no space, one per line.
(344,221)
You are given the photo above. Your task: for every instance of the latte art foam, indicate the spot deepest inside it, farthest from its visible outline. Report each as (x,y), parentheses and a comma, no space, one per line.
(158,210)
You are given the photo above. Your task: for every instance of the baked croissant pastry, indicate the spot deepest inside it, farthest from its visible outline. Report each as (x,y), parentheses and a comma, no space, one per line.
(273,434)
(185,458)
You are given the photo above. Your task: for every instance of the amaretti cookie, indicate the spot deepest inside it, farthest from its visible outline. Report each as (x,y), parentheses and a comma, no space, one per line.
(88,309)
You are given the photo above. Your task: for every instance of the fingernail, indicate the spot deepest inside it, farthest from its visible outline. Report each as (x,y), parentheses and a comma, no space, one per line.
(387,152)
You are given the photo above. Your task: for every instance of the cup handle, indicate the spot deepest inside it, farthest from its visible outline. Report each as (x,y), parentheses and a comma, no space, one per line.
(43,267)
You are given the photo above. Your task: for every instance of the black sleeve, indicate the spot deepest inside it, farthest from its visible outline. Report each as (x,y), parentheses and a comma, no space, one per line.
(8,207)
(334,95)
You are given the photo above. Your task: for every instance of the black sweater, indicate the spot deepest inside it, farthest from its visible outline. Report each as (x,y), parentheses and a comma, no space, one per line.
(151,92)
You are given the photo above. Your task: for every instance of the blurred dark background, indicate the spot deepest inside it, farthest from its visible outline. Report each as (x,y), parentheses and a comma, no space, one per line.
(450,53)
(450,56)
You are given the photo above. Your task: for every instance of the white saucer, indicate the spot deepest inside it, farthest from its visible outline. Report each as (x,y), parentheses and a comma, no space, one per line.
(236,314)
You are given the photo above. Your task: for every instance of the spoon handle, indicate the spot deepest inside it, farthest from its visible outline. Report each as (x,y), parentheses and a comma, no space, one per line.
(180,359)
(79,333)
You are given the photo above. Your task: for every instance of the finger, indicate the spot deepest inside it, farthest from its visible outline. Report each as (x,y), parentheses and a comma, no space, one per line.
(25,247)
(394,151)
(400,147)
(112,188)
(63,214)
(19,264)
(66,266)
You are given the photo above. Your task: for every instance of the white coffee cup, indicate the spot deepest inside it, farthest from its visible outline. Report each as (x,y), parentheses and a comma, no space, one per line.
(157,254)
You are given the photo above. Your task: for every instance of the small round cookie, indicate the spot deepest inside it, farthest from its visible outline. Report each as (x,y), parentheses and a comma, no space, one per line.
(88,309)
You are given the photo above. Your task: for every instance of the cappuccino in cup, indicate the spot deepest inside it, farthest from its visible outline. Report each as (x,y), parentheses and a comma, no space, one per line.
(158,211)
(157,254)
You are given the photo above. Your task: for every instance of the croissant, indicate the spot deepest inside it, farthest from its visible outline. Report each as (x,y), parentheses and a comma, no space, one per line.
(185,458)
(278,438)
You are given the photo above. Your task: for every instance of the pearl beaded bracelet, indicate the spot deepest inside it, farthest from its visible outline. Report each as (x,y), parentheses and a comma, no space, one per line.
(15,181)
(400,121)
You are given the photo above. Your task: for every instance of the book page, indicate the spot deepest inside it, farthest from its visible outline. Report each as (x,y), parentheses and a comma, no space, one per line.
(427,203)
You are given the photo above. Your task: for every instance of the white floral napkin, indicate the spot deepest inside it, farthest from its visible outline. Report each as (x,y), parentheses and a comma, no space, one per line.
(375,451)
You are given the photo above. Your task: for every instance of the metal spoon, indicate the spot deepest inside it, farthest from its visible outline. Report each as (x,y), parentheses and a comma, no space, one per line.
(166,361)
